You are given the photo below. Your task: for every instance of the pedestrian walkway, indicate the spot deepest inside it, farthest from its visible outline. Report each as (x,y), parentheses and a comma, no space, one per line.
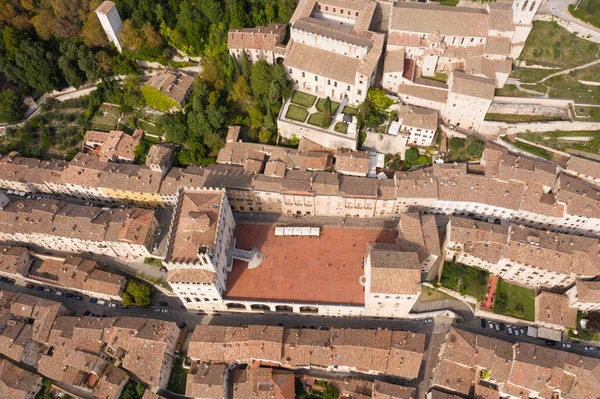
(490,296)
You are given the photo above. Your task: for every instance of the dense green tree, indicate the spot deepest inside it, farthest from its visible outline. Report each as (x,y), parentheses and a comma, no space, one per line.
(175,127)
(11,107)
(260,79)
(380,99)
(246,66)
(39,66)
(326,115)
(265,135)
(241,93)
(141,292)
(269,122)
(410,157)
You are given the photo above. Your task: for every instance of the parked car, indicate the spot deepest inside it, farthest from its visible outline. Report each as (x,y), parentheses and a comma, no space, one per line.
(497,326)
(101,302)
(48,289)
(164,310)
(163,304)
(522,330)
(39,288)
(157,310)
(123,307)
(69,295)
(588,348)
(87,313)
(155,246)
(11,281)
(159,232)
(93,300)
(59,293)
(3,279)
(78,297)
(510,330)
(181,325)
(163,269)
(502,326)
(550,343)
(30,286)
(566,345)
(483,323)
(516,331)
(491,325)
(113,305)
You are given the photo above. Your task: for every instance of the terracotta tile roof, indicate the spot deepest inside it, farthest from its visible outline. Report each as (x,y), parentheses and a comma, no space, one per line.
(497,45)
(111,383)
(393,271)
(417,184)
(430,18)
(195,226)
(394,61)
(474,188)
(29,170)
(501,17)
(115,143)
(560,253)
(275,168)
(77,273)
(337,32)
(352,161)
(584,166)
(354,186)
(16,383)
(455,377)
(322,62)
(418,117)
(472,86)
(263,383)
(105,7)
(174,85)
(206,381)
(159,154)
(588,291)
(11,259)
(554,309)
(261,37)
(423,92)
(385,390)
(486,241)
(582,199)
(421,230)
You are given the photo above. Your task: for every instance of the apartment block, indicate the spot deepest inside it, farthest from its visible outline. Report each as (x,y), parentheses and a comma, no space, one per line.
(397,353)
(114,146)
(584,295)
(51,224)
(553,311)
(261,43)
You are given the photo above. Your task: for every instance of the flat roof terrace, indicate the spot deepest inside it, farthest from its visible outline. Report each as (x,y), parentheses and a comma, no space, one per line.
(323,270)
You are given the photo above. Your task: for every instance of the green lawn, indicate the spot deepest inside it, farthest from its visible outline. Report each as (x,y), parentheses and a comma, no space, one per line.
(556,140)
(341,127)
(296,113)
(304,99)
(515,301)
(588,11)
(149,127)
(106,122)
(317,120)
(551,45)
(153,261)
(568,86)
(348,110)
(439,76)
(462,150)
(586,114)
(517,118)
(513,91)
(465,279)
(178,378)
(531,75)
(334,106)
(529,148)
(447,2)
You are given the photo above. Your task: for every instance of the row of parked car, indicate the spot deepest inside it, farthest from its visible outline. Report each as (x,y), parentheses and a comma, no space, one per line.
(8,281)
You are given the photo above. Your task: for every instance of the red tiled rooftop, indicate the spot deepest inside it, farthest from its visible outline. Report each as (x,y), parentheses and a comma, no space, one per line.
(295,269)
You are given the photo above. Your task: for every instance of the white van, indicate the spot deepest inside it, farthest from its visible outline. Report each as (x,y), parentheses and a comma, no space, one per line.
(101,302)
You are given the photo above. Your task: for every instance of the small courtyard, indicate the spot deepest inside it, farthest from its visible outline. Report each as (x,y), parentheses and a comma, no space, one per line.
(308,109)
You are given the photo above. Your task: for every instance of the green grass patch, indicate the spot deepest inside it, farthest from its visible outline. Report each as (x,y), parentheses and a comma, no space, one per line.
(156,99)
(178,378)
(439,77)
(296,113)
(429,294)
(590,141)
(348,110)
(515,301)
(334,106)
(149,127)
(156,281)
(464,149)
(447,2)
(341,127)
(106,118)
(569,86)
(531,75)
(464,279)
(316,119)
(513,91)
(549,44)
(153,261)
(304,99)
(540,152)
(586,114)
(518,118)
(587,11)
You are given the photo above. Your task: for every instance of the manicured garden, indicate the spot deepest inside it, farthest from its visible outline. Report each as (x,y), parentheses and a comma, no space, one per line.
(334,106)
(296,113)
(178,378)
(348,110)
(341,127)
(513,300)
(316,120)
(464,149)
(465,279)
(304,99)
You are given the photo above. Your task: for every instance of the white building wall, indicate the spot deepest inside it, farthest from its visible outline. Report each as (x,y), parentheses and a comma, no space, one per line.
(465,111)
(112,25)
(574,301)
(329,44)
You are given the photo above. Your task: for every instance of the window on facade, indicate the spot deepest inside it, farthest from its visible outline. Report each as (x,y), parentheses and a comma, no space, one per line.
(359,92)
(334,84)
(328,82)
(348,89)
(303,75)
(334,10)
(316,78)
